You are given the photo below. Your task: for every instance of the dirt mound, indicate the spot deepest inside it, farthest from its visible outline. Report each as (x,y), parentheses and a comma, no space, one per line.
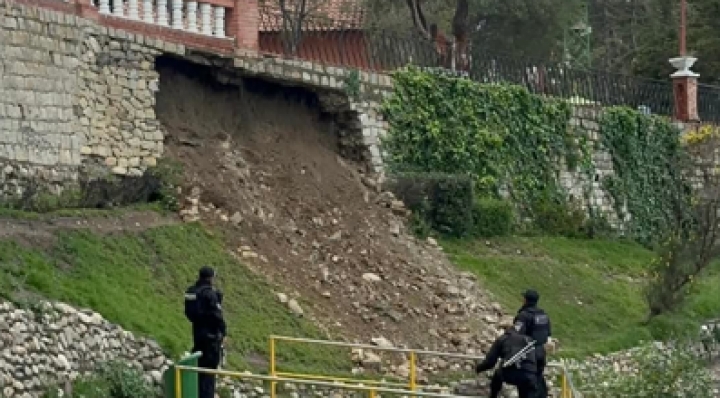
(261,162)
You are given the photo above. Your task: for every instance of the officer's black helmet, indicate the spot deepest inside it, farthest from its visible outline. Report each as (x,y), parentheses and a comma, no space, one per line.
(532,296)
(206,272)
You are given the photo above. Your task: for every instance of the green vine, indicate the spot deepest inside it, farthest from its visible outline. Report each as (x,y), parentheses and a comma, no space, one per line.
(353,84)
(647,184)
(501,135)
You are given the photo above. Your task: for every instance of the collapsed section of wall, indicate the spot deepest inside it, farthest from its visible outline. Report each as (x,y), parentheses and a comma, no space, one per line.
(77,99)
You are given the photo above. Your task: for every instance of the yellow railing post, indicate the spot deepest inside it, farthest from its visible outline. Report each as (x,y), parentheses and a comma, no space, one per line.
(372,393)
(565,392)
(273,385)
(178,383)
(413,371)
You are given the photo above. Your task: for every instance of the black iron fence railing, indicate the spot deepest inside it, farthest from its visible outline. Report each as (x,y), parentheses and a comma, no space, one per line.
(383,52)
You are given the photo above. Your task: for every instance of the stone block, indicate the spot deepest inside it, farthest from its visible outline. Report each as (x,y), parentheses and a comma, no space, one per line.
(119,170)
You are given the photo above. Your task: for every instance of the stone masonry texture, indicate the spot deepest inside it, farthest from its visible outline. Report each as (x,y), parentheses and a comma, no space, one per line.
(72,93)
(76,93)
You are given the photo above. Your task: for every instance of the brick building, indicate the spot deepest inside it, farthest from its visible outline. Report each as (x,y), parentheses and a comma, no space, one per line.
(332,32)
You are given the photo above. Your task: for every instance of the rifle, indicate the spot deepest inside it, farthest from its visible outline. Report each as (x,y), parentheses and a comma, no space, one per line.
(520,355)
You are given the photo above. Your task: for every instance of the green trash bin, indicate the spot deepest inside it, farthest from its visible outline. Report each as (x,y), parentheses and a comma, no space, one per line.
(189,380)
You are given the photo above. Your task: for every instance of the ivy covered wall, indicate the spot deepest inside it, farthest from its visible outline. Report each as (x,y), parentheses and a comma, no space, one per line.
(619,166)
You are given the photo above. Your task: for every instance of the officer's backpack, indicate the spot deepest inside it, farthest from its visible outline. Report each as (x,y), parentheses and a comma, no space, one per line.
(541,327)
(193,306)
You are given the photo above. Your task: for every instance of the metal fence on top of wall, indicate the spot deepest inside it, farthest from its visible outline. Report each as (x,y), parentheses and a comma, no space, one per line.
(379,51)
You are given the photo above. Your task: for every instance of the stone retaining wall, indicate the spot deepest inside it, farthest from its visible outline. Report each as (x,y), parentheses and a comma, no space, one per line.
(73,92)
(55,341)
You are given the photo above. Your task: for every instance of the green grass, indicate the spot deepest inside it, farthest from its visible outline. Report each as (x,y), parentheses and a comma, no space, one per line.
(7,212)
(593,289)
(138,281)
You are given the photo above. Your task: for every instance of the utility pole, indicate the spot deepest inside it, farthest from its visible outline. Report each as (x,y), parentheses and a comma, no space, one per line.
(685,81)
(683,28)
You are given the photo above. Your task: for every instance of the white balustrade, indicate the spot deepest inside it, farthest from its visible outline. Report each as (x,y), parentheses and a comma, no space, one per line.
(189,15)
(104,7)
(177,14)
(133,11)
(118,8)
(192,16)
(162,13)
(219,21)
(147,8)
(206,21)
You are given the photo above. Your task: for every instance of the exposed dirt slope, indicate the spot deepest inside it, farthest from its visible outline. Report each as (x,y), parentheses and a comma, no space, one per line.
(264,165)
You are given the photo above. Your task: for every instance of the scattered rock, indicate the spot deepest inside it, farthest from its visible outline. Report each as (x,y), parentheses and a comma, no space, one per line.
(236,219)
(295,307)
(382,342)
(370,277)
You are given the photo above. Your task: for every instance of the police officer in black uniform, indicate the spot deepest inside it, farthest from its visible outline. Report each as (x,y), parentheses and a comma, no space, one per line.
(203,308)
(535,323)
(518,366)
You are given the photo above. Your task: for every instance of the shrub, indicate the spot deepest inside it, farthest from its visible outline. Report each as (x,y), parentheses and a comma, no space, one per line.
(557,216)
(125,381)
(110,380)
(492,217)
(444,201)
(668,371)
(419,221)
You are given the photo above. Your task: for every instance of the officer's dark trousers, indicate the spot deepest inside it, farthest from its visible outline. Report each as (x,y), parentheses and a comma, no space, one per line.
(526,382)
(541,358)
(210,359)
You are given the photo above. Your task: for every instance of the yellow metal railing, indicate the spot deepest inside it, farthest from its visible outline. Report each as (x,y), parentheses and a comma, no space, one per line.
(567,388)
(371,390)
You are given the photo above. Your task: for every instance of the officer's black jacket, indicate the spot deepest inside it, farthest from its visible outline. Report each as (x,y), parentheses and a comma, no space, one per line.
(212,325)
(505,347)
(525,320)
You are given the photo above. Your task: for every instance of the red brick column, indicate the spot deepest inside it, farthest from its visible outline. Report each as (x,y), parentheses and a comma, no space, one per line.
(85,9)
(685,84)
(244,25)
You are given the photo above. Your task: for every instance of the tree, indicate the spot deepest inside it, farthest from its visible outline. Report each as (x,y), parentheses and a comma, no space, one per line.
(530,29)
(692,244)
(293,17)
(703,38)
(452,51)
(524,29)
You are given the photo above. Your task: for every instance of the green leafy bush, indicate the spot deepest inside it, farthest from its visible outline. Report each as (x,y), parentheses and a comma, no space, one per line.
(419,224)
(499,135)
(169,173)
(668,371)
(558,216)
(444,201)
(110,380)
(492,217)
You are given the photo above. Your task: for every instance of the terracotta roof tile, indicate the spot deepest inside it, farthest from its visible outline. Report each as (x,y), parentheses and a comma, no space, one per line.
(323,15)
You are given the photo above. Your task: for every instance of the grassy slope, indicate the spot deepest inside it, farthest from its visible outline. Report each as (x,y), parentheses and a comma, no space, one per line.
(592,289)
(137,281)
